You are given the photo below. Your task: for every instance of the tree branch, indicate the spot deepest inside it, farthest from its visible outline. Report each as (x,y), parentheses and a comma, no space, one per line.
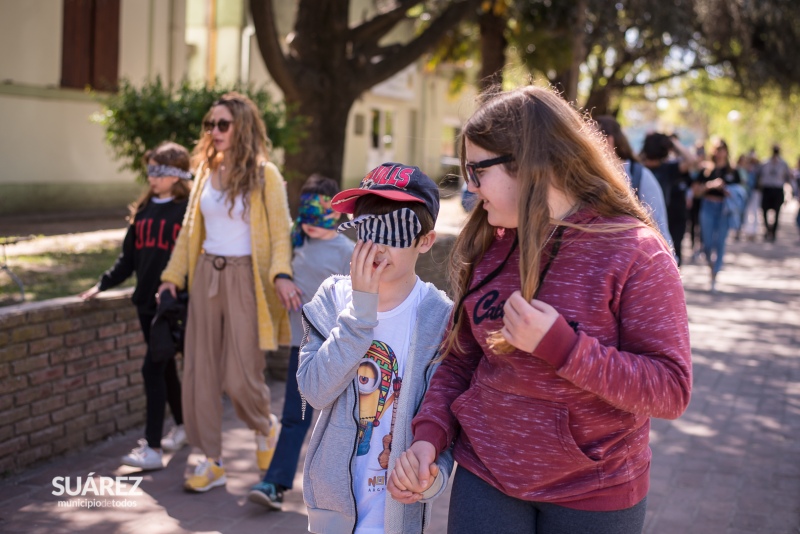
(270,47)
(371,31)
(665,77)
(396,58)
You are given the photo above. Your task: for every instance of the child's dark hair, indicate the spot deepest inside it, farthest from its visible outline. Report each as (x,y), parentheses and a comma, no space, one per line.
(166,153)
(317,184)
(377,205)
(656,146)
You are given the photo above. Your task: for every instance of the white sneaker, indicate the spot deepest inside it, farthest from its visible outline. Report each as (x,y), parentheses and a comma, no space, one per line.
(174,440)
(144,457)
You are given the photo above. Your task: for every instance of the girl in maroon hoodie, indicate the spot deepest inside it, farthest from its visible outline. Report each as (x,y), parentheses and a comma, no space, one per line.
(570,333)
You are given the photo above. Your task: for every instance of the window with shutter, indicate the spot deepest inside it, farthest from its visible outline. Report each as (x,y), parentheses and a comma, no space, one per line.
(90,44)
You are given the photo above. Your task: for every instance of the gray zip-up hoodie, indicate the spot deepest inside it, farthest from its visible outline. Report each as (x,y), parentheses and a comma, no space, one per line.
(334,344)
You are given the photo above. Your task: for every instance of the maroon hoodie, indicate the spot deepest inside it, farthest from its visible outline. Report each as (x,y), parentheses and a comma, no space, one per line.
(568,423)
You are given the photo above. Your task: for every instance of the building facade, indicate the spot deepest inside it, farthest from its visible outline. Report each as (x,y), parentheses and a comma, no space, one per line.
(55,158)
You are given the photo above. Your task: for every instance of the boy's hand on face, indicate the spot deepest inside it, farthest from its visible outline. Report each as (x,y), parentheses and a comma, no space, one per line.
(364,274)
(525,324)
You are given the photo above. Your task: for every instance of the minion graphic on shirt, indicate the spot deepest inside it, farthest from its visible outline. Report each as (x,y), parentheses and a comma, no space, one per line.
(378,388)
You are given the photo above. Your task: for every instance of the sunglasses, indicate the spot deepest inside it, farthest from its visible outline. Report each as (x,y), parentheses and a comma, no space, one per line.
(222,125)
(472,168)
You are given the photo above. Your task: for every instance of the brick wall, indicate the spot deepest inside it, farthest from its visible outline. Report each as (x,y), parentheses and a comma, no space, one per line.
(69,375)
(70,370)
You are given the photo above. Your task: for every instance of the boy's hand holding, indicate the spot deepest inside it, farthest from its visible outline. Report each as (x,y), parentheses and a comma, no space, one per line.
(413,473)
(364,274)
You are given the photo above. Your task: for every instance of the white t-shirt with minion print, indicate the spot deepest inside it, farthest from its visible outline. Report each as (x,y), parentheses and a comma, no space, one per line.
(379,384)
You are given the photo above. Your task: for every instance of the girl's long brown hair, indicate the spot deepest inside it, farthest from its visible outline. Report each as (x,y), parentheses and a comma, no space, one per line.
(249,148)
(553,146)
(166,153)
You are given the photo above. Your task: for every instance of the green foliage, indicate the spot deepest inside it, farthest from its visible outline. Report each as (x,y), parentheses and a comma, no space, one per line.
(747,123)
(700,107)
(138,118)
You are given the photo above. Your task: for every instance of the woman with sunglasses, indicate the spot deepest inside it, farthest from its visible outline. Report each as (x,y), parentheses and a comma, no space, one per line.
(235,249)
(570,332)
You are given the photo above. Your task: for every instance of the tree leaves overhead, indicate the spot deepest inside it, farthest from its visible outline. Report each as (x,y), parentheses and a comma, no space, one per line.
(620,44)
(624,44)
(754,41)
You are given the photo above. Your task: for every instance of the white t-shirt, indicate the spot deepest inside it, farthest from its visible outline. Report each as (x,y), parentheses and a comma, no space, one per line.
(379,383)
(226,234)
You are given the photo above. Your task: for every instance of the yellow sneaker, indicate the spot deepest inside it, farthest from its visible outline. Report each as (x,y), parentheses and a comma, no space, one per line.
(207,475)
(265,445)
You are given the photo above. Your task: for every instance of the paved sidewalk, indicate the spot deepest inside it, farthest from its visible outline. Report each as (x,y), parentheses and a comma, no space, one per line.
(730,465)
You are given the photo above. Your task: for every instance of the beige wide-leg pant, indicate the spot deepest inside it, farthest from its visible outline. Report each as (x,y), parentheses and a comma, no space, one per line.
(222,352)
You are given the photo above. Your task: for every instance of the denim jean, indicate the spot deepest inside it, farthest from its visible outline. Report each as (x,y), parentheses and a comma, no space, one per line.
(293,430)
(714,231)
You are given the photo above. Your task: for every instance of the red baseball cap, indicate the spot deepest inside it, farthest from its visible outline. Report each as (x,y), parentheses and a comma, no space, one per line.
(394,181)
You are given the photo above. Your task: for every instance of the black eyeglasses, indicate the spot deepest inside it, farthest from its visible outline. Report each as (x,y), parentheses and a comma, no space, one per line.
(472,175)
(221,124)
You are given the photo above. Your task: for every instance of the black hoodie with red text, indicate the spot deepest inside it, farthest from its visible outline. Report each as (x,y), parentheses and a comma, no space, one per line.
(146,251)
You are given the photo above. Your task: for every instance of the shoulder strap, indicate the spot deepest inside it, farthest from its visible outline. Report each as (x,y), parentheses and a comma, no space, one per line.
(636,178)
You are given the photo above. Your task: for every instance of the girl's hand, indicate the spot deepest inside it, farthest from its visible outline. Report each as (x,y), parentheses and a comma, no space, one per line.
(288,293)
(413,473)
(403,496)
(166,286)
(526,324)
(89,294)
(364,274)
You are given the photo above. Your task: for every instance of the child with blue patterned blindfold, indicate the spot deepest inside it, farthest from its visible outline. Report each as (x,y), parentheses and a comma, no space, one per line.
(315,210)
(319,251)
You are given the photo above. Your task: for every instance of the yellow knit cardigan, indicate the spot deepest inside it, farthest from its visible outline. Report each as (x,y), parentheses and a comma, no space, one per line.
(270,226)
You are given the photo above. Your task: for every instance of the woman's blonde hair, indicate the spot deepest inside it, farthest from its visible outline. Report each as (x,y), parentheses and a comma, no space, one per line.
(249,148)
(552,146)
(166,153)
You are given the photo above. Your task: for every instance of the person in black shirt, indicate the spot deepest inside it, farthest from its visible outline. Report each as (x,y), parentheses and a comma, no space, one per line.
(155,219)
(711,185)
(673,176)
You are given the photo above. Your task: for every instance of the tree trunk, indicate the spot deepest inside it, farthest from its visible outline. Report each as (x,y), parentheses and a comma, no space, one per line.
(321,150)
(599,101)
(328,63)
(567,79)
(493,49)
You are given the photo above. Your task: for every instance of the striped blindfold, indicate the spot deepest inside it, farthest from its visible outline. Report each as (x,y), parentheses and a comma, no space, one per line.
(396,229)
(158,171)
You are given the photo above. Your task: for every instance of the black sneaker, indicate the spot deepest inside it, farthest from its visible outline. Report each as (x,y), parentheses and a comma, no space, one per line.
(267,494)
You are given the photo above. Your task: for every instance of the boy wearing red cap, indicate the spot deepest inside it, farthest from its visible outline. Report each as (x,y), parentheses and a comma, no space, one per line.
(367,357)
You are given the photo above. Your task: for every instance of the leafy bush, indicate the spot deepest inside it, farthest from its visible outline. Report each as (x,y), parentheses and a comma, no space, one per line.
(138,118)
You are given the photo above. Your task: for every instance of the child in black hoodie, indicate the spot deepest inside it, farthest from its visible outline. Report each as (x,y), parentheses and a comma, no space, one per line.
(155,222)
